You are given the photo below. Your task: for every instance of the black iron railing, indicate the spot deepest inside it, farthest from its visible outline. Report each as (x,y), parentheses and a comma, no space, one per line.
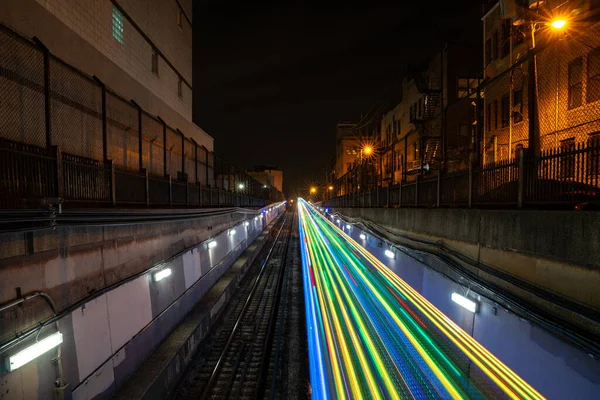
(557,177)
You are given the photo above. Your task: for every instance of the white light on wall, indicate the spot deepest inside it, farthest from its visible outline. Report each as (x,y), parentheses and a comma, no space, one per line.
(163,273)
(390,254)
(246,223)
(363,236)
(34,351)
(231,232)
(464,302)
(348,226)
(338,221)
(256,218)
(212,244)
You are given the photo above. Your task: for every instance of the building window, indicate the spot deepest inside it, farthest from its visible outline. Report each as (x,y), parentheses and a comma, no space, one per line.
(155,61)
(180,19)
(506,27)
(593,76)
(348,167)
(488,122)
(495,109)
(488,51)
(593,156)
(117,25)
(465,87)
(575,86)
(505,109)
(518,105)
(420,115)
(567,165)
(494,54)
(180,88)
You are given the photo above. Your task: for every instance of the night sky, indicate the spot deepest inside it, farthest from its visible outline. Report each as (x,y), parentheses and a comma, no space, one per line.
(272,78)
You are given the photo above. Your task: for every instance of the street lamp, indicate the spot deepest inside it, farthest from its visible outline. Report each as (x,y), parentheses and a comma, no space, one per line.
(241,186)
(313,190)
(330,188)
(368,150)
(558,23)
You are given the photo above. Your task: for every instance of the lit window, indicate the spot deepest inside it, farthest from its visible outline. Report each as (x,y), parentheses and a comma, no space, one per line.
(117,25)
(155,61)
(593,76)
(180,19)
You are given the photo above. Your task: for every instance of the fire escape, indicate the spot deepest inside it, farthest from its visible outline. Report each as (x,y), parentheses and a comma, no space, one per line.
(429,138)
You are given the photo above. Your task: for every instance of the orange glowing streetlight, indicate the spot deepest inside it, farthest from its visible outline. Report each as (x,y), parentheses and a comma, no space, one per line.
(330,188)
(368,150)
(313,190)
(558,23)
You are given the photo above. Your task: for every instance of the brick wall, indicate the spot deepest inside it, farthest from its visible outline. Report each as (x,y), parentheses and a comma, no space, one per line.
(92,20)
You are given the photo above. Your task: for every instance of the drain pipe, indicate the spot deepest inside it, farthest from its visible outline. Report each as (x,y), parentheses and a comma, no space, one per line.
(59,385)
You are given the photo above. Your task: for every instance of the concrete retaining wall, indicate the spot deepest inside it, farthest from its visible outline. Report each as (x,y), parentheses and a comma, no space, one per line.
(108,335)
(555,250)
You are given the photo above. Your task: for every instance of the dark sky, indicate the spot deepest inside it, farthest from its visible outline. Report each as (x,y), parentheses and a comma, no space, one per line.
(272,78)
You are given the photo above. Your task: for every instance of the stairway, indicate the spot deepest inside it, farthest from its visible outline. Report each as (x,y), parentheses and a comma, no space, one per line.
(432,100)
(431,147)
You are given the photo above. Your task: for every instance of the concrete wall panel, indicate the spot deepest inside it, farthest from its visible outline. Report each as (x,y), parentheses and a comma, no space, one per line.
(92,335)
(191,267)
(102,381)
(129,310)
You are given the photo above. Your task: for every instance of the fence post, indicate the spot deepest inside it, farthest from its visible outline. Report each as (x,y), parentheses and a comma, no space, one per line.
(104,138)
(206,169)
(164,124)
(141,161)
(47,98)
(438,188)
(521,183)
(59,172)
(170,191)
(388,197)
(183,171)
(400,193)
(113,184)
(470,185)
(417,190)
(147,188)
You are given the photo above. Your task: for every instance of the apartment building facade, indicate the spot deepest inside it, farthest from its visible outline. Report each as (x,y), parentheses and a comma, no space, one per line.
(565,112)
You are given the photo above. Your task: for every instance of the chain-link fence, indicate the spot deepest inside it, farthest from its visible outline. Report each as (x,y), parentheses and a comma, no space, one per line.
(22,105)
(79,140)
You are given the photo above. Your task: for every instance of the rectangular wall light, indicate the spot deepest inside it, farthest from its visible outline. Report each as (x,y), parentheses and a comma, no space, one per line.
(34,351)
(212,244)
(162,274)
(348,227)
(390,254)
(246,223)
(464,302)
(231,232)
(363,236)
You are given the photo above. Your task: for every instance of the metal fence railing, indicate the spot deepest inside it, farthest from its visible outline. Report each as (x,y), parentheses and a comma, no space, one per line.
(556,178)
(64,135)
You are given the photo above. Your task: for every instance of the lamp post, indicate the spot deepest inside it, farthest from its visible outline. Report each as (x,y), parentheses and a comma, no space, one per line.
(557,24)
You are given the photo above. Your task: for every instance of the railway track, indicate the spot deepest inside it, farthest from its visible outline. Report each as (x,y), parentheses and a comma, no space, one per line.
(236,360)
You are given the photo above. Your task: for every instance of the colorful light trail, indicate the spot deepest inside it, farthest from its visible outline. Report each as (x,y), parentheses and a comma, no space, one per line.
(370,335)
